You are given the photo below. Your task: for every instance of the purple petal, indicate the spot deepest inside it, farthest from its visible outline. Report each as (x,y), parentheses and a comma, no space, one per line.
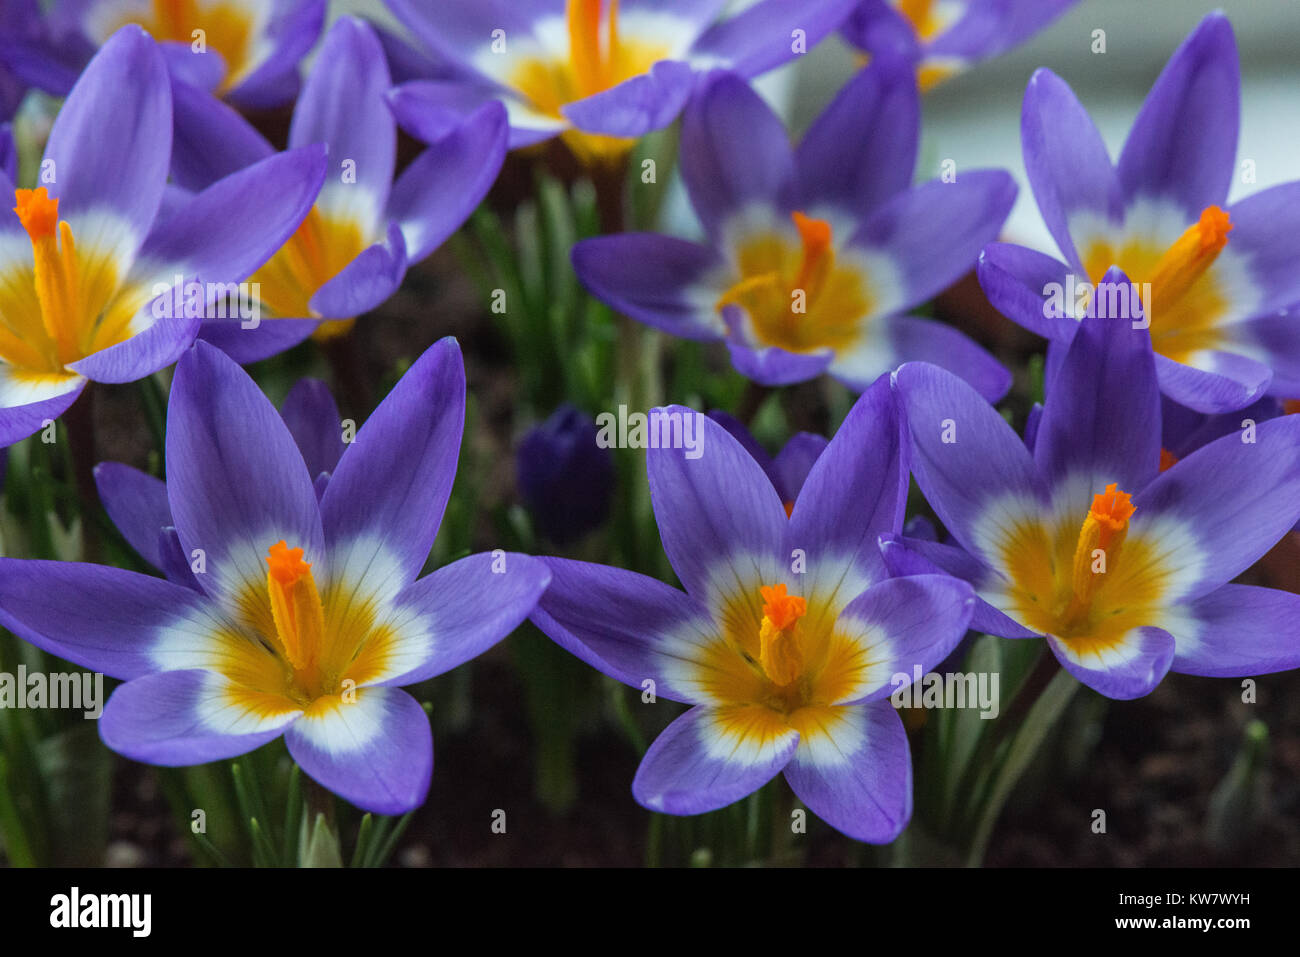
(385,500)
(857,489)
(695,766)
(210,139)
(763,35)
(137,504)
(1233,499)
(1128,670)
(935,231)
(294,31)
(252,344)
(365,283)
(236,481)
(628,626)
(178,718)
(445,183)
(312,417)
(157,347)
(376,752)
(1183,144)
(734,152)
(1231,381)
(19,421)
(861,150)
(773,366)
(654,279)
(101,618)
(469,606)
(715,507)
(1240,630)
(912,556)
(854,771)
(1102,416)
(640,105)
(204,241)
(789,470)
(1067,163)
(111,142)
(1266,229)
(1018,282)
(905,623)
(343,106)
(983,462)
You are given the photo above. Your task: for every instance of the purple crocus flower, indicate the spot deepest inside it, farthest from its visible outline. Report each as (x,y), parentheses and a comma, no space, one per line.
(789,468)
(597,73)
(246,51)
(137,502)
(790,635)
(813,255)
(308,615)
(944,37)
(89,256)
(1084,541)
(1213,280)
(352,251)
(565,477)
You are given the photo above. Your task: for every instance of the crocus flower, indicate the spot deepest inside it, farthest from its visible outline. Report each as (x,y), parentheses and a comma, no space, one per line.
(137,502)
(566,479)
(789,636)
(1213,280)
(85,255)
(1084,541)
(352,251)
(598,73)
(813,256)
(244,50)
(944,37)
(309,615)
(789,468)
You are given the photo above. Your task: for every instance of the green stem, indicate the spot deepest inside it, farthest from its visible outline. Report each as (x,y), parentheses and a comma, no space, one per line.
(1029,737)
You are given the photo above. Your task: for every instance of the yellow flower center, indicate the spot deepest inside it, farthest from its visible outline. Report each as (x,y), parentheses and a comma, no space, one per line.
(64,307)
(319,250)
(599,58)
(224,26)
(923,16)
(1088,584)
(1187,301)
(799,296)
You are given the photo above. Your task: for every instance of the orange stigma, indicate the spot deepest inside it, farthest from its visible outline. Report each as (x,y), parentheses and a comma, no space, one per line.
(1097,551)
(1112,509)
(295,606)
(1190,256)
(38,213)
(780,651)
(1167,460)
(817,255)
(590,58)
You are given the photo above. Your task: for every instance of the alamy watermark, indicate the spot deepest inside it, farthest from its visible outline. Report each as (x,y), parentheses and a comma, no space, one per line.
(952,690)
(1111,300)
(209,300)
(77,690)
(658,429)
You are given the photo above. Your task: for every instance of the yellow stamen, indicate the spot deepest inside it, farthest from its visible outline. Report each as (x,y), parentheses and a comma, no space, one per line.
(54,253)
(1097,551)
(780,650)
(1189,257)
(921,14)
(295,606)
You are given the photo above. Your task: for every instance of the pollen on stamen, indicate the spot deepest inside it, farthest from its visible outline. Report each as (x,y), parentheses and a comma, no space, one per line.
(37,211)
